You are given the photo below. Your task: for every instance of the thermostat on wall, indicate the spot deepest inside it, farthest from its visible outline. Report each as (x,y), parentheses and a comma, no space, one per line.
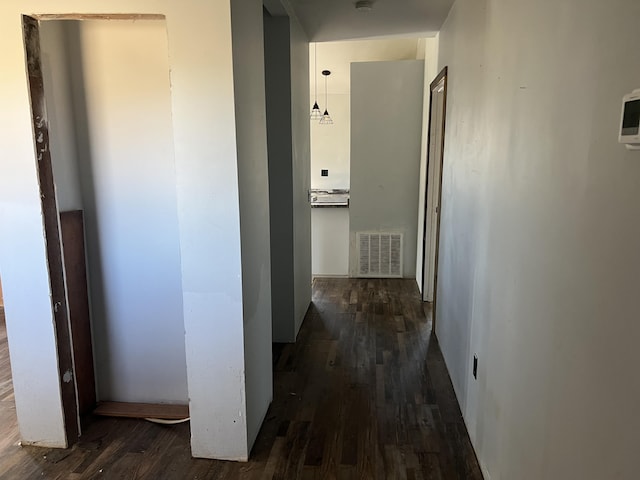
(630,121)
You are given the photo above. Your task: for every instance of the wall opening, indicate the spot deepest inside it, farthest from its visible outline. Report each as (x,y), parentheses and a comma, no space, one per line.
(335,146)
(108,109)
(433,197)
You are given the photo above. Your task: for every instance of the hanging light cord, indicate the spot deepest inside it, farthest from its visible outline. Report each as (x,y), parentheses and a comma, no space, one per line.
(326,118)
(326,95)
(315,71)
(315,109)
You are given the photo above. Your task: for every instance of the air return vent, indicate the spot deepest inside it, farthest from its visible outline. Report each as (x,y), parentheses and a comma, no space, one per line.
(379,254)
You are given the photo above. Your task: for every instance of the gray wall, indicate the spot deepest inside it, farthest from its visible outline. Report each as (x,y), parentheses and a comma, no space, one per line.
(277,61)
(253,184)
(301,145)
(540,229)
(287,84)
(386,134)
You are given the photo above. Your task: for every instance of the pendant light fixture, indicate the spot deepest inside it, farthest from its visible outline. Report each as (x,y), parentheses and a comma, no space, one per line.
(315,110)
(326,118)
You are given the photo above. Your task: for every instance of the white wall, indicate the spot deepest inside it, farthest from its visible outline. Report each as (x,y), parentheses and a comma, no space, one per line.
(331,150)
(127,169)
(331,144)
(208,218)
(253,179)
(385,153)
(540,230)
(330,239)
(207,180)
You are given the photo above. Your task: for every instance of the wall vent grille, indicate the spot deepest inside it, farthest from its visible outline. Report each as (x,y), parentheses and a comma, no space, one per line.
(379,254)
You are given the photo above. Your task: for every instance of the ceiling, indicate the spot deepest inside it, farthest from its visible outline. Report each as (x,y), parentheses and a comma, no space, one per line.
(331,20)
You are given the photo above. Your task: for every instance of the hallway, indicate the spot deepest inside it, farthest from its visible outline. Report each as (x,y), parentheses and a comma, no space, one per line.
(364,393)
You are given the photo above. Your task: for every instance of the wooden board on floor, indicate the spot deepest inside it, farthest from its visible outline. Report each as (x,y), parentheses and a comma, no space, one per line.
(142,410)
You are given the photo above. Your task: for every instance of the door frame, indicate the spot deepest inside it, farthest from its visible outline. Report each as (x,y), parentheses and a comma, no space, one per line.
(441,77)
(59,304)
(50,213)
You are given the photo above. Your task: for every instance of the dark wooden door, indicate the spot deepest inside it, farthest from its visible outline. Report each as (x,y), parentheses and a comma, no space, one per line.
(72,231)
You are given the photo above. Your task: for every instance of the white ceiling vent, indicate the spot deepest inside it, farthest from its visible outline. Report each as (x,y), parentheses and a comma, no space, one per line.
(379,254)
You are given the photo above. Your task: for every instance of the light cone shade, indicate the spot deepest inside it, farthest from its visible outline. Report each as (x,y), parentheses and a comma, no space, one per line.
(326,119)
(315,112)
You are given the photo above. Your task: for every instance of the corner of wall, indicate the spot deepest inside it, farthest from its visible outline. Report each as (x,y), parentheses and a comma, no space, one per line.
(301,148)
(253,183)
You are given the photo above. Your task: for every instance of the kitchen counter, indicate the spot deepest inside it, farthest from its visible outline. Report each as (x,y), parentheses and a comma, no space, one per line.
(336,198)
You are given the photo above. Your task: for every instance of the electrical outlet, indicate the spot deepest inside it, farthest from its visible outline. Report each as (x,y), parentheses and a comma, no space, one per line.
(475,367)
(324,173)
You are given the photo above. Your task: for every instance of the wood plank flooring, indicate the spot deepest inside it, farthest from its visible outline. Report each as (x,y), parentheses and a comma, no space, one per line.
(363,394)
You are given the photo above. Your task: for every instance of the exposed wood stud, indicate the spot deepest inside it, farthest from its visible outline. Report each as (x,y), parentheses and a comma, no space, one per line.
(98,16)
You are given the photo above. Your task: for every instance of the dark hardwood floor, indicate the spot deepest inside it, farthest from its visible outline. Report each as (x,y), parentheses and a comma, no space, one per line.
(363,394)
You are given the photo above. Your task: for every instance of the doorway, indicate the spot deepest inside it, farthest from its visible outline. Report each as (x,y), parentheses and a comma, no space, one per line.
(343,159)
(433,200)
(101,109)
